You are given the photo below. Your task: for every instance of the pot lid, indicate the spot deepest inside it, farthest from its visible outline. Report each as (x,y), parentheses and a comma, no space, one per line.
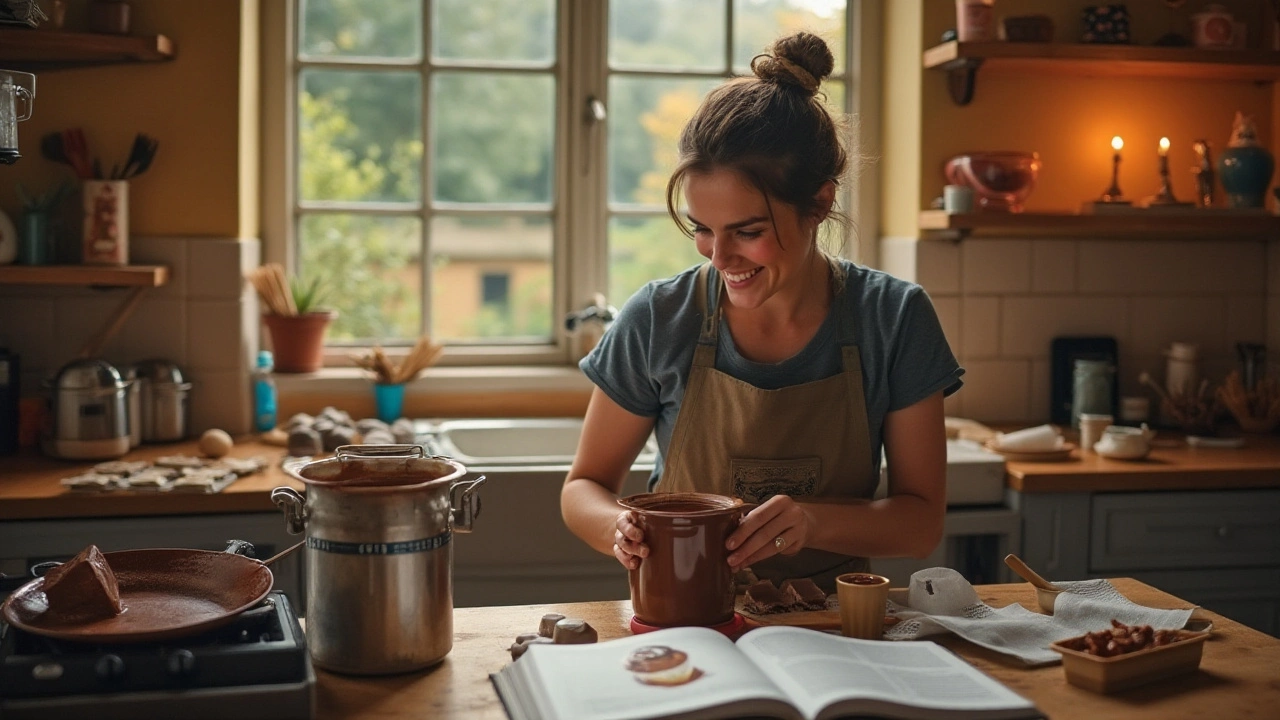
(88,374)
(159,372)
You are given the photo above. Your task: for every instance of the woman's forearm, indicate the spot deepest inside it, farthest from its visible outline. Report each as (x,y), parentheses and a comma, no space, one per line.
(897,526)
(590,511)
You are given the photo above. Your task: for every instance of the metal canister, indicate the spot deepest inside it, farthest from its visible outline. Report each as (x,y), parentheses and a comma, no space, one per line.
(379,521)
(163,397)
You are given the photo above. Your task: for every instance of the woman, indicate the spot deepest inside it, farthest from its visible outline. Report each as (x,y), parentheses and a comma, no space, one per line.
(774,372)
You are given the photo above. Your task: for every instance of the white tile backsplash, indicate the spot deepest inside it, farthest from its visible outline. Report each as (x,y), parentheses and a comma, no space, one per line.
(898,257)
(995,266)
(1198,267)
(1016,295)
(1053,266)
(1028,324)
(949,315)
(204,319)
(980,323)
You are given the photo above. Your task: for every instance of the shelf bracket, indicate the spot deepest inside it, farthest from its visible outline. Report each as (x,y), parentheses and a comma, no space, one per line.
(113,325)
(962,79)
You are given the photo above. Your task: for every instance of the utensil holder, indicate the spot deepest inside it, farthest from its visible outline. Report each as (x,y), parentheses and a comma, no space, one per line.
(106,222)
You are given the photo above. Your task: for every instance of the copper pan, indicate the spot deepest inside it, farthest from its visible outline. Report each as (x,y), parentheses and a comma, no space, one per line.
(166,592)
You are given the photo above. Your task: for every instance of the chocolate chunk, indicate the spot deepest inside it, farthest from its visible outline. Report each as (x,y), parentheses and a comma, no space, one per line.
(808,596)
(547,627)
(519,648)
(83,588)
(572,631)
(763,598)
(526,637)
(303,441)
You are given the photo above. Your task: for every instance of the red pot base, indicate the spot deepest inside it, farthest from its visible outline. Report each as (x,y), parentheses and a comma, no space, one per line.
(730,628)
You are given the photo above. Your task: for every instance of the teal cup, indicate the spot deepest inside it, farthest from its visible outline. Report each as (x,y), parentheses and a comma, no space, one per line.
(389,400)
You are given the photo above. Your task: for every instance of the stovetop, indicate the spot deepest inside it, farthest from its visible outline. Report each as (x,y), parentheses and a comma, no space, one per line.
(257,666)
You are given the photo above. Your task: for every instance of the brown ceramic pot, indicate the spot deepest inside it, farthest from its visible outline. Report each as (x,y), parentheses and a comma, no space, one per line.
(685,579)
(298,340)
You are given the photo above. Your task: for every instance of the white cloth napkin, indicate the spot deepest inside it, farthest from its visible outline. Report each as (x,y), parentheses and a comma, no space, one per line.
(1084,606)
(1041,438)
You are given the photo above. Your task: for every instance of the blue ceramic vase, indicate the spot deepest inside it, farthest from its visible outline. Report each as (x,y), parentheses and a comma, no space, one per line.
(1245,167)
(1246,174)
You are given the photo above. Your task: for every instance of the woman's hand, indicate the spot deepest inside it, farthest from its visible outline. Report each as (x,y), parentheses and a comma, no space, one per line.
(780,526)
(628,541)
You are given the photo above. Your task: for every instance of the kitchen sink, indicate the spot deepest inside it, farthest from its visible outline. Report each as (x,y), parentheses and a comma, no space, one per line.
(506,442)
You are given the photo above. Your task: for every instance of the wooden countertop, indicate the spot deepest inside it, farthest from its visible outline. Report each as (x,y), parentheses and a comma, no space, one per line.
(1172,465)
(1237,676)
(30,487)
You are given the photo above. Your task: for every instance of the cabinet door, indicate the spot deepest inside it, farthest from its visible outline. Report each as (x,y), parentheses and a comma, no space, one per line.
(1147,531)
(1249,596)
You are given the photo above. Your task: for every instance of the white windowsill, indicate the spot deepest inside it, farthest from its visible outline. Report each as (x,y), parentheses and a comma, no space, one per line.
(471,379)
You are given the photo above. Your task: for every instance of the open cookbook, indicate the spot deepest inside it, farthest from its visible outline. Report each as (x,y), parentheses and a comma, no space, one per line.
(782,672)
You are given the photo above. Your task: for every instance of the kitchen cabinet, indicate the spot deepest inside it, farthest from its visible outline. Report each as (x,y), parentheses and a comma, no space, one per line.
(38,50)
(1216,548)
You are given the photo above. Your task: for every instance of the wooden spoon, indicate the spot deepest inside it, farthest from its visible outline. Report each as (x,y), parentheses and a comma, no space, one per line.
(1026,573)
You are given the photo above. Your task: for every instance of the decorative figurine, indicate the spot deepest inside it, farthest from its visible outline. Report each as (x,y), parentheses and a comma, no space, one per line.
(1245,166)
(1204,174)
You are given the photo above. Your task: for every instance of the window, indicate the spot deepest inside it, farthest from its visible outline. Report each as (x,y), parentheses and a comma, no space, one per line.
(476,169)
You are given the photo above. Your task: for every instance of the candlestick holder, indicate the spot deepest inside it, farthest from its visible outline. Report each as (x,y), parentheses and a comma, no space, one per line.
(1165,197)
(1113,195)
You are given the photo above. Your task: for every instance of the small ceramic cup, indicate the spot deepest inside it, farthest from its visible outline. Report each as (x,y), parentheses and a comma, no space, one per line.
(862,604)
(1091,429)
(957,199)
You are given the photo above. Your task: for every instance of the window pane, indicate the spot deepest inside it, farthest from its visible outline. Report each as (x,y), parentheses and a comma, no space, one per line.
(686,34)
(645,120)
(493,137)
(643,249)
(351,28)
(370,268)
(359,136)
(491,278)
(495,30)
(757,23)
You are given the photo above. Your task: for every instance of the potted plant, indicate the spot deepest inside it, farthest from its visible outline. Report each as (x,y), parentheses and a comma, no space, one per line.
(294,319)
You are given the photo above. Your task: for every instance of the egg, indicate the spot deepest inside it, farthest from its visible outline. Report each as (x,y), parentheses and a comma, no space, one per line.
(215,443)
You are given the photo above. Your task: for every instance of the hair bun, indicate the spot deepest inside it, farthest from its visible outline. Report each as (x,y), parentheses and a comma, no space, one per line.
(802,59)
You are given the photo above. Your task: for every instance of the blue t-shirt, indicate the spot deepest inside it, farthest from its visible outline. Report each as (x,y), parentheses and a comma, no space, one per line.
(642,362)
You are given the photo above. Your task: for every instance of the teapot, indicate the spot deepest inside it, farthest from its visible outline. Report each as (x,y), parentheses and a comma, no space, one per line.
(1125,443)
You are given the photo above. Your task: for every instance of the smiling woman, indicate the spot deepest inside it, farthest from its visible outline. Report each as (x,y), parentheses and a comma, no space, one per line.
(774,372)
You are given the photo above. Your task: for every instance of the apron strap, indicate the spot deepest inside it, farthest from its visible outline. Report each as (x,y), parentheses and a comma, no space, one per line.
(704,355)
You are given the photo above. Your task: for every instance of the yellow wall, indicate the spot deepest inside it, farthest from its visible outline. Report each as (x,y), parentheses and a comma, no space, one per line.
(1070,120)
(192,105)
(900,121)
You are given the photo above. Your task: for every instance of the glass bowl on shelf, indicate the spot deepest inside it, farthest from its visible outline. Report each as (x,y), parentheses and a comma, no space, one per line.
(1002,180)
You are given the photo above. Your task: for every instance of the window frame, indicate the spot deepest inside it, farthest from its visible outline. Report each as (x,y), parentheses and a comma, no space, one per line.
(580,211)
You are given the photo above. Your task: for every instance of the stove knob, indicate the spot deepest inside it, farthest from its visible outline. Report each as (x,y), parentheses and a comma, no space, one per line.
(182,663)
(109,667)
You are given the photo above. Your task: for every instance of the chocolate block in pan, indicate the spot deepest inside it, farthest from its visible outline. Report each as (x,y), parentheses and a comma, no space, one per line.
(807,595)
(83,588)
(763,598)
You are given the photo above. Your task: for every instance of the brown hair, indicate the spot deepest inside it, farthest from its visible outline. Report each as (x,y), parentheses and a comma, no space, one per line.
(773,129)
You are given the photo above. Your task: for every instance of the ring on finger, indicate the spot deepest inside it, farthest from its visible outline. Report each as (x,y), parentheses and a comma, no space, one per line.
(780,542)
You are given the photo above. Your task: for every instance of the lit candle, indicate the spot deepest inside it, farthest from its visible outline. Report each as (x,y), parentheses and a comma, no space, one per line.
(1117,143)
(1164,146)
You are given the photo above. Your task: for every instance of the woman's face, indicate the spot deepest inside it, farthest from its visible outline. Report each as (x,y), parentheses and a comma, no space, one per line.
(757,254)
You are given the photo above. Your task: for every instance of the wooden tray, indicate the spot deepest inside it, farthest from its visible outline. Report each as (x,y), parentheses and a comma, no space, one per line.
(812,619)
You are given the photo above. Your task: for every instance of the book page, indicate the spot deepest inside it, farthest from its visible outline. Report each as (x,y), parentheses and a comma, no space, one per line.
(692,669)
(818,670)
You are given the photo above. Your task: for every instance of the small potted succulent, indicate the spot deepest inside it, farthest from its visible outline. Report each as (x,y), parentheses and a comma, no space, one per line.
(294,318)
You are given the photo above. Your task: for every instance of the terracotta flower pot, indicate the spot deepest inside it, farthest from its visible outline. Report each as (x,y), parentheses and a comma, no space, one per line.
(298,341)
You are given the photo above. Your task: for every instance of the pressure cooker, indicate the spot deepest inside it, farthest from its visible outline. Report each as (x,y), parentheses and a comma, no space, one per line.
(88,412)
(379,523)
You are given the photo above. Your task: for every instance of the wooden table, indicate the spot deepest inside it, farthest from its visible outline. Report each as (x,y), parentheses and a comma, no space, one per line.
(1239,676)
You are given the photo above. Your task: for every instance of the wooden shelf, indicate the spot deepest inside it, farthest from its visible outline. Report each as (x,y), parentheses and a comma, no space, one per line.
(141,276)
(962,60)
(1138,224)
(36,50)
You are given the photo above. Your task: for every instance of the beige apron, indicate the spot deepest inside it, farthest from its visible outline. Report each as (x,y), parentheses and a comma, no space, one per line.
(806,441)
